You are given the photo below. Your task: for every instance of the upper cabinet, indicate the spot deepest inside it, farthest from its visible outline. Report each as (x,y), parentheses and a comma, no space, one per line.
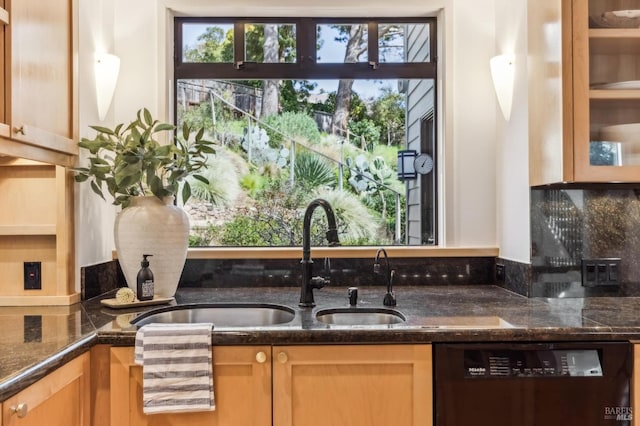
(586,94)
(38,113)
(606,85)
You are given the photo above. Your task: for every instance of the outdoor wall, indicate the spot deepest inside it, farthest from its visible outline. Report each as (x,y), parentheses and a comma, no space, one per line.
(420,95)
(138,33)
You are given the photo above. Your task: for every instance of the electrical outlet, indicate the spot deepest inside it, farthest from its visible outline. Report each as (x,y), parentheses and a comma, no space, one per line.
(499,273)
(601,272)
(32,276)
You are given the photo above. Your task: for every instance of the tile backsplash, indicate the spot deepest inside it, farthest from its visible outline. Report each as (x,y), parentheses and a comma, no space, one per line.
(211,273)
(570,223)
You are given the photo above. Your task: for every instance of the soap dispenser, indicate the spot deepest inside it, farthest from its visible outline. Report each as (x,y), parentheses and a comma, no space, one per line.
(145,280)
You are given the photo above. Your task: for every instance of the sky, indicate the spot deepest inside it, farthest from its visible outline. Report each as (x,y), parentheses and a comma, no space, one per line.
(331,51)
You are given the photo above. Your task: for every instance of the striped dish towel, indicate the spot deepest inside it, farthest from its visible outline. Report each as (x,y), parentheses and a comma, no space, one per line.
(176,367)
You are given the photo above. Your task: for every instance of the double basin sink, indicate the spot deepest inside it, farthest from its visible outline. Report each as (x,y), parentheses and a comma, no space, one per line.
(231,315)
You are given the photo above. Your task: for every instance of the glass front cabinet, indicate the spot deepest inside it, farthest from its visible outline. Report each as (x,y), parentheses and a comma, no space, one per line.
(605,52)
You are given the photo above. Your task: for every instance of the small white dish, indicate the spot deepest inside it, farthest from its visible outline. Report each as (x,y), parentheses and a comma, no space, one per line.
(629,13)
(618,85)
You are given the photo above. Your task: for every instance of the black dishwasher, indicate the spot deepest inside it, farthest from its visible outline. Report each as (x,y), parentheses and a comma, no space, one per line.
(533,384)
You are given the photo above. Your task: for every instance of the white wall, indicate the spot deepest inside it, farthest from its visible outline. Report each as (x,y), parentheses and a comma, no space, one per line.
(512,137)
(94,217)
(467,27)
(470,125)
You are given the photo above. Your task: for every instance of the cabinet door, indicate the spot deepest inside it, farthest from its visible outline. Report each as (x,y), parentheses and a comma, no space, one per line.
(59,399)
(370,385)
(242,385)
(4,22)
(606,91)
(41,78)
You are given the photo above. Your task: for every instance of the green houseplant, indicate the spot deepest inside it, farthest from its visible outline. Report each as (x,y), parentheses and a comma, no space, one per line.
(130,161)
(144,176)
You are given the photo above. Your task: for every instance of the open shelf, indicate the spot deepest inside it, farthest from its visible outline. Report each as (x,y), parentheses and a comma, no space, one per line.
(18,230)
(614,41)
(613,94)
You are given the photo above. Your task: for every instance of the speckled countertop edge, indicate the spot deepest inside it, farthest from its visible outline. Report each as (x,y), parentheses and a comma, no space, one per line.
(530,319)
(604,318)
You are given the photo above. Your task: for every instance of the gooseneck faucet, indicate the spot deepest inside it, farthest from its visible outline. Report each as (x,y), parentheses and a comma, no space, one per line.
(308,281)
(389,298)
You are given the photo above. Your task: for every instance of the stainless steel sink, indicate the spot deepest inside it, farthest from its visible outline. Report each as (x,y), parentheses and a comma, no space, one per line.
(360,316)
(220,314)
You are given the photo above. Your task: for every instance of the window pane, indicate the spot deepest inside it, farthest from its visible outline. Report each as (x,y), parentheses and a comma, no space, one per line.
(270,43)
(207,43)
(401,43)
(283,141)
(345,43)
(267,168)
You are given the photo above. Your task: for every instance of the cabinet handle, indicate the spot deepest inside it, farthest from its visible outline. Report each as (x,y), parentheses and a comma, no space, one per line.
(261,357)
(19,130)
(21,410)
(282,357)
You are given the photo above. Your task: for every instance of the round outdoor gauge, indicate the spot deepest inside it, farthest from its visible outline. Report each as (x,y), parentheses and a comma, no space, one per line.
(423,163)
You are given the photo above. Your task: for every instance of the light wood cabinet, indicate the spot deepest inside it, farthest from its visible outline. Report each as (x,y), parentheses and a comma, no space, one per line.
(38,122)
(36,225)
(584,97)
(606,91)
(39,119)
(310,385)
(242,383)
(58,399)
(352,385)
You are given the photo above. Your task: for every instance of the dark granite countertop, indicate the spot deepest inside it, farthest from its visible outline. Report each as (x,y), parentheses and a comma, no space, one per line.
(37,340)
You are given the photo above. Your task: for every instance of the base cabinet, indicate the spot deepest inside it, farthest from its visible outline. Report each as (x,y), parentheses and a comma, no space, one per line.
(58,399)
(368,385)
(242,384)
(371,385)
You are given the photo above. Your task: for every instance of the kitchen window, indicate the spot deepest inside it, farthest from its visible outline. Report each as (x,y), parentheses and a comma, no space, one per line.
(303,108)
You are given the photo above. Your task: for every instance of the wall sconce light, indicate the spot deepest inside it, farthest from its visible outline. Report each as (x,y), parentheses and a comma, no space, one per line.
(107,67)
(406,169)
(503,75)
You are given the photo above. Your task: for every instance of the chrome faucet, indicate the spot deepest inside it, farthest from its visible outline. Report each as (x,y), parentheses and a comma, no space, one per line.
(308,281)
(389,298)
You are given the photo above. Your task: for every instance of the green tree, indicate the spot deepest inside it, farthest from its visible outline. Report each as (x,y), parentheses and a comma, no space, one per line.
(294,96)
(366,132)
(213,46)
(357,41)
(389,114)
(270,92)
(355,36)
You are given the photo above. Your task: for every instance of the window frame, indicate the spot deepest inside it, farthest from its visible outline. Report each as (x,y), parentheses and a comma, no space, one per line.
(309,69)
(304,69)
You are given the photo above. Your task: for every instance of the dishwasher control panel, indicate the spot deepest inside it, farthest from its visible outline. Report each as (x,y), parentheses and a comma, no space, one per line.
(484,363)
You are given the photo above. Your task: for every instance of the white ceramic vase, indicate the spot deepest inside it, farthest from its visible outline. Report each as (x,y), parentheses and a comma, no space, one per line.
(156,227)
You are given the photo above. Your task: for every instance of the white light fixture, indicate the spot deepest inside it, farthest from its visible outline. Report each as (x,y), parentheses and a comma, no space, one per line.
(503,75)
(107,67)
